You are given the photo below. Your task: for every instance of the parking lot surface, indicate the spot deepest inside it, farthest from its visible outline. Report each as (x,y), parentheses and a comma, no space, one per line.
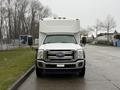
(102,73)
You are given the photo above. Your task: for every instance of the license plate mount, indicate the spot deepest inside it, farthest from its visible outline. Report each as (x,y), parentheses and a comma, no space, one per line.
(60,65)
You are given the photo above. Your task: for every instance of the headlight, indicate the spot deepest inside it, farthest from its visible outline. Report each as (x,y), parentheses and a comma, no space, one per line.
(80,54)
(40,54)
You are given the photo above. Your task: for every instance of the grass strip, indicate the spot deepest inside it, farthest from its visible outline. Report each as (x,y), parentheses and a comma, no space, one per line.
(13,64)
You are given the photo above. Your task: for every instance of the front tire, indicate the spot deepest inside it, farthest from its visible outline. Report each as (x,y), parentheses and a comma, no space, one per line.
(39,72)
(82,72)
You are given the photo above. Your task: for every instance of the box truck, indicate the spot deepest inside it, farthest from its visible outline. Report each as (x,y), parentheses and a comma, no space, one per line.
(60,50)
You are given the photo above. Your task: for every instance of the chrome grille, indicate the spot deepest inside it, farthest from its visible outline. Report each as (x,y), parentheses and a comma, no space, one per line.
(60,55)
(56,51)
(55,57)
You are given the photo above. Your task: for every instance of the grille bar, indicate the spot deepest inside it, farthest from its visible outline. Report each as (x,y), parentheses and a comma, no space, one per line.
(67,55)
(59,58)
(51,52)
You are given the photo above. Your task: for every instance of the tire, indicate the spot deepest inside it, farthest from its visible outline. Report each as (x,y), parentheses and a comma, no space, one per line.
(82,72)
(39,72)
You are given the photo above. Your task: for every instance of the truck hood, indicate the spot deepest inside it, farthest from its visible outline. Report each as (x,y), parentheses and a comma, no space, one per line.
(58,46)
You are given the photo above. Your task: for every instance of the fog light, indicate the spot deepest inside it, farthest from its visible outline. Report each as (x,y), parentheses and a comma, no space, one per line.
(40,64)
(80,64)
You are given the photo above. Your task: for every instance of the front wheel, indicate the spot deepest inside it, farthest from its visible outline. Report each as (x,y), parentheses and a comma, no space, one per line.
(39,72)
(82,72)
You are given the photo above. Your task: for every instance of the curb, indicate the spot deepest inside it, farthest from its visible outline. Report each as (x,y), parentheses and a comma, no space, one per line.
(21,79)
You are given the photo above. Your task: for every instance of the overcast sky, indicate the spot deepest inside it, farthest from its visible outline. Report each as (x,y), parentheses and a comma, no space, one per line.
(87,10)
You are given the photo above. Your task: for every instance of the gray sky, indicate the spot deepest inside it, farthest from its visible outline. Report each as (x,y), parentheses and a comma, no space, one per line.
(87,10)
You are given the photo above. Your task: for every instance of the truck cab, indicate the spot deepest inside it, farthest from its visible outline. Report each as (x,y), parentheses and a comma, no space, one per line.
(59,48)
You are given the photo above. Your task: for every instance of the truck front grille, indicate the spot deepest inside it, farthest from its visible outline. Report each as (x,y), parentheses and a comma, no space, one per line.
(60,55)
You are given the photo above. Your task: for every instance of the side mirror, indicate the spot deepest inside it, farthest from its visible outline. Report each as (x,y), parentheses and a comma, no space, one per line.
(83,41)
(36,49)
(36,52)
(30,41)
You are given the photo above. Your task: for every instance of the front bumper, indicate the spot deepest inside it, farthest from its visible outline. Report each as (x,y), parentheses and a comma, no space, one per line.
(60,66)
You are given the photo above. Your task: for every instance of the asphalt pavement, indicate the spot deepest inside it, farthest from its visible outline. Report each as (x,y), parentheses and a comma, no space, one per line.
(102,73)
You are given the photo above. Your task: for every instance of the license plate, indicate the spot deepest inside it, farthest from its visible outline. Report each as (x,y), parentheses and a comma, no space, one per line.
(60,65)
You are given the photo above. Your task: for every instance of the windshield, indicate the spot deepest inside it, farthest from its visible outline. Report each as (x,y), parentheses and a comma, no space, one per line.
(60,39)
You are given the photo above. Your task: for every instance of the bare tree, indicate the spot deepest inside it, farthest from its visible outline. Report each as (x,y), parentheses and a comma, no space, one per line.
(21,17)
(34,7)
(108,25)
(2,20)
(38,11)
(9,19)
(84,32)
(15,19)
(97,26)
(45,12)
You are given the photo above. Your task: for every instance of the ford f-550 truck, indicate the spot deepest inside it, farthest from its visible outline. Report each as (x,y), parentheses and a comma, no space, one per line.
(59,48)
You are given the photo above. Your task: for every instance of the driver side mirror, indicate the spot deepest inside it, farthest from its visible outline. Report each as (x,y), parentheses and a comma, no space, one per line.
(30,41)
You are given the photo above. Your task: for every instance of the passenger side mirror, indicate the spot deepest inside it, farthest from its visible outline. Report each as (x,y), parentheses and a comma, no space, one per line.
(83,41)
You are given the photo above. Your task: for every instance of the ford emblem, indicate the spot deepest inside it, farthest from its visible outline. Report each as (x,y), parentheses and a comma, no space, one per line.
(60,54)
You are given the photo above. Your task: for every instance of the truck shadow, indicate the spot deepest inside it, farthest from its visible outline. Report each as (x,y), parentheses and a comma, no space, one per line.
(61,76)
(61,82)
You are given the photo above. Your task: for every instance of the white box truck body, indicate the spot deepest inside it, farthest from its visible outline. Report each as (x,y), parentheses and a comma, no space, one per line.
(59,48)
